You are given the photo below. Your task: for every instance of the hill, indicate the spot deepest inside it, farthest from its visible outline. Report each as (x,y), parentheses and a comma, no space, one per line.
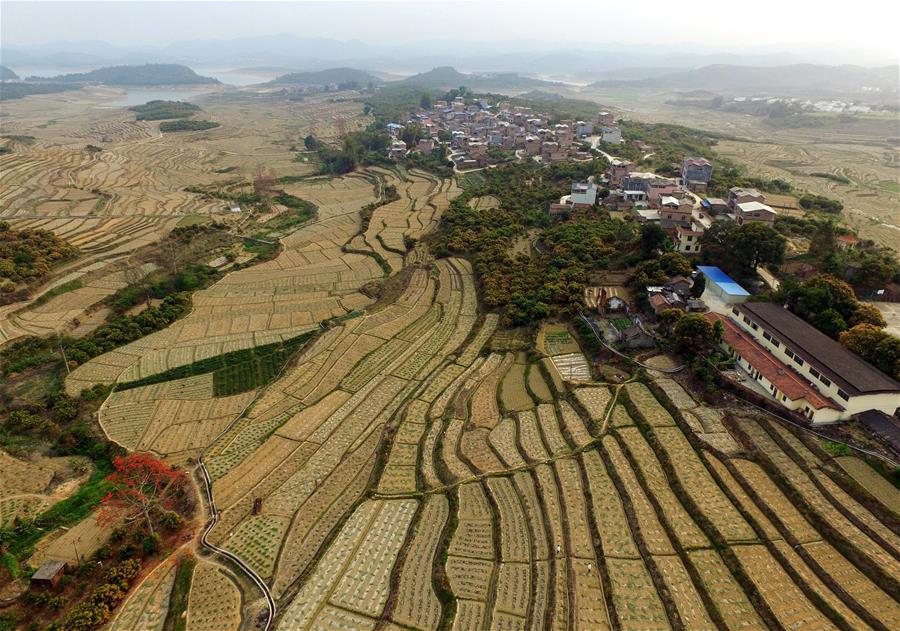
(6,74)
(446,77)
(148,74)
(792,80)
(325,77)
(10,91)
(163,110)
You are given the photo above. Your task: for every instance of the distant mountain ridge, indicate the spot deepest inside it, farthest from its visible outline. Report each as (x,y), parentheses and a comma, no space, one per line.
(446,77)
(328,76)
(7,73)
(792,79)
(147,74)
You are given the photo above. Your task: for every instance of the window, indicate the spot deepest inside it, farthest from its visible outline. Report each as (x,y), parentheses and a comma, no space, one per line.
(746,319)
(775,343)
(766,336)
(789,353)
(754,326)
(814,372)
(734,310)
(798,360)
(843,395)
(825,380)
(784,397)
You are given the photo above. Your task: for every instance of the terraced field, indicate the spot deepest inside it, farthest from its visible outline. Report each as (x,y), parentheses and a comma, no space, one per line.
(400,471)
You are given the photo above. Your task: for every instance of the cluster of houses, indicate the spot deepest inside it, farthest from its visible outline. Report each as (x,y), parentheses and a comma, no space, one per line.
(673,203)
(472,129)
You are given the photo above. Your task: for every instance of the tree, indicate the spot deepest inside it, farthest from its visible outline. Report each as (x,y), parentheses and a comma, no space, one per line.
(879,348)
(653,239)
(826,302)
(741,249)
(830,322)
(694,334)
(868,314)
(310,142)
(756,244)
(142,485)
(426,102)
(699,285)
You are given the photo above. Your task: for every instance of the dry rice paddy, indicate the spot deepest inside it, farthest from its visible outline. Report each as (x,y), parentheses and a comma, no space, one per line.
(405,470)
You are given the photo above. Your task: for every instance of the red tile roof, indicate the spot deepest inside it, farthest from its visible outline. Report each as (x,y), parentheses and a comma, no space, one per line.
(659,303)
(782,376)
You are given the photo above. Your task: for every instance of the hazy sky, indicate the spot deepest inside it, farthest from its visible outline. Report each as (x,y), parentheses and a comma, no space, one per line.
(860,26)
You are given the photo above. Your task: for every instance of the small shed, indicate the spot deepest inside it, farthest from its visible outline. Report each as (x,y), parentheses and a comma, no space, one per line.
(720,284)
(48,575)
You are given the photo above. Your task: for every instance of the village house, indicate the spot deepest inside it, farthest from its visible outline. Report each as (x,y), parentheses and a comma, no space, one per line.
(584,195)
(583,129)
(714,205)
(617,172)
(696,171)
(425,145)
(739,195)
(674,212)
(688,239)
(754,212)
(847,241)
(611,134)
(398,149)
(606,119)
(801,367)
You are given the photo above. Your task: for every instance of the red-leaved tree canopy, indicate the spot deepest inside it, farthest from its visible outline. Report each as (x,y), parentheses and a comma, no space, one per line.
(141,485)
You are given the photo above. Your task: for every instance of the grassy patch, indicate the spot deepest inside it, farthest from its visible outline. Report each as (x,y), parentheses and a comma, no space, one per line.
(837,449)
(187,125)
(235,372)
(69,511)
(176,620)
(59,290)
(193,220)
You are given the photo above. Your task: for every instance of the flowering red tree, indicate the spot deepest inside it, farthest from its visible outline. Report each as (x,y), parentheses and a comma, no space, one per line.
(141,484)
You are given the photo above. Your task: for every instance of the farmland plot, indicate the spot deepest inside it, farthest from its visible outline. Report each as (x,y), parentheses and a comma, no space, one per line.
(595,400)
(214,603)
(832,562)
(513,395)
(351,581)
(146,607)
(417,604)
(699,485)
(817,502)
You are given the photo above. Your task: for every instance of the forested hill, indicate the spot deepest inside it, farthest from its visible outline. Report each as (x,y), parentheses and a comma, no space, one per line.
(447,77)
(148,74)
(7,73)
(329,76)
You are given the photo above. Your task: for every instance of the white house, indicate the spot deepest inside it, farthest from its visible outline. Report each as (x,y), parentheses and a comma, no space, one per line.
(583,194)
(611,134)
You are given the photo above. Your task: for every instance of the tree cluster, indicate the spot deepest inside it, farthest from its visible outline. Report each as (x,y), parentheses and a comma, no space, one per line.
(739,250)
(828,303)
(29,255)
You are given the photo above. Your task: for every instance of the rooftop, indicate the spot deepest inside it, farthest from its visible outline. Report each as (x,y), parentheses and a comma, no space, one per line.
(723,280)
(754,207)
(48,569)
(849,371)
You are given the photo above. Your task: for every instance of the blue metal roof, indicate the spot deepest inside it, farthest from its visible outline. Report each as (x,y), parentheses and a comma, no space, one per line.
(723,280)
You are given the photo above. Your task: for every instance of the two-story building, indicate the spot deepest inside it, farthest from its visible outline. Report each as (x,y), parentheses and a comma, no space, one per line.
(696,170)
(583,195)
(801,367)
(740,195)
(754,212)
